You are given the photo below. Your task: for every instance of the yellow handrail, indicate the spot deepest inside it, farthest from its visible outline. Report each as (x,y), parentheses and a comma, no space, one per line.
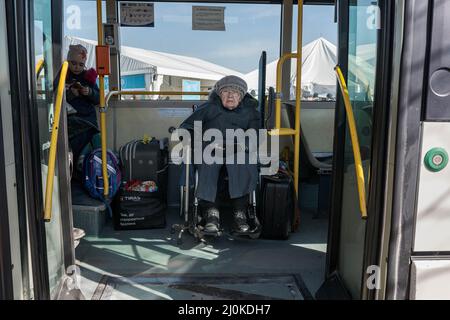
(355,143)
(53,143)
(101,81)
(278,87)
(39,67)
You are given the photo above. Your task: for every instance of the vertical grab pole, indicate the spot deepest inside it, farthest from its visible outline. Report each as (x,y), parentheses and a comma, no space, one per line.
(298,89)
(102,104)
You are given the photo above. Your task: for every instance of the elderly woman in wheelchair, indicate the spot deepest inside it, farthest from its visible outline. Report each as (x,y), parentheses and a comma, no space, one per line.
(229,107)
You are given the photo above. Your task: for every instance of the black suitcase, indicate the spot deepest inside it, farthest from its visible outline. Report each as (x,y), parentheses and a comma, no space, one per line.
(276,206)
(143,161)
(139,210)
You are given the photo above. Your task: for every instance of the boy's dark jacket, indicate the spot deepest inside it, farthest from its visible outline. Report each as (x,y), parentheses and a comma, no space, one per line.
(84,105)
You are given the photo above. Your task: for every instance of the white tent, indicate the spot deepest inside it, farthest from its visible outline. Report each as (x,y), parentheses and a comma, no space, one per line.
(318,62)
(136,60)
(318,75)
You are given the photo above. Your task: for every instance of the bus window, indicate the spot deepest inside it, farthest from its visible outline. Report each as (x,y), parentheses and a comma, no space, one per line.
(318,77)
(174,57)
(80,19)
(319,53)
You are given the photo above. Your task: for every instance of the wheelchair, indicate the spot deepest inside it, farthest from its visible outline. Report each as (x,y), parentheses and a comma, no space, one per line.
(190,211)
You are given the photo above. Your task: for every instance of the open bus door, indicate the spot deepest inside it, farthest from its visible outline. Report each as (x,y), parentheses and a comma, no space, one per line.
(34,44)
(363,55)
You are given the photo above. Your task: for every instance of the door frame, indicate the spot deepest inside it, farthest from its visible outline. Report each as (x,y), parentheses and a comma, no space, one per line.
(6,276)
(407,150)
(381,116)
(338,148)
(62,156)
(25,95)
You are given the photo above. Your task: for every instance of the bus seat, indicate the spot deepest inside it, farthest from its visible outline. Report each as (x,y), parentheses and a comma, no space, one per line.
(310,168)
(309,164)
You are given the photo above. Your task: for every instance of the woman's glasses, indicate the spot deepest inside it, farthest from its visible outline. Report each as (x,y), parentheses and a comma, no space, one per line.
(230,92)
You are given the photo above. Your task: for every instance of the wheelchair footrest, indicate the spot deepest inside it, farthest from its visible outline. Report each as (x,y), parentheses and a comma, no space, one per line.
(247,233)
(212,234)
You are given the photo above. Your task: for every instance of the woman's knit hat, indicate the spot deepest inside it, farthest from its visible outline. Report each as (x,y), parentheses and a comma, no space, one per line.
(75,50)
(232,82)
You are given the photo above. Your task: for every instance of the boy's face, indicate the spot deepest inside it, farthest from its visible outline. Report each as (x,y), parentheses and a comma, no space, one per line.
(77,64)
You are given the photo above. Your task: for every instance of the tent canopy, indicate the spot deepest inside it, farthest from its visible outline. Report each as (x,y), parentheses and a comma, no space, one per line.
(318,62)
(318,75)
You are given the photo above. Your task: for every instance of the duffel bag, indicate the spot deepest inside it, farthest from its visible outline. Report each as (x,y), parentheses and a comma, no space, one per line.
(139,210)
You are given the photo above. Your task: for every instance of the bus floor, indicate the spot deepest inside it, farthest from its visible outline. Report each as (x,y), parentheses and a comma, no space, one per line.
(148,264)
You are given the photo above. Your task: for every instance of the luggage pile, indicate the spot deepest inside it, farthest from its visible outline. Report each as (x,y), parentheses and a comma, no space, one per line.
(142,199)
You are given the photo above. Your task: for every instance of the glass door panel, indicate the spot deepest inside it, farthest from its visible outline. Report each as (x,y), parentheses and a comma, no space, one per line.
(45,92)
(362,46)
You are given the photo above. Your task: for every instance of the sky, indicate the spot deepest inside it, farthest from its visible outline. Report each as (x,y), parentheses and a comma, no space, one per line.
(250,29)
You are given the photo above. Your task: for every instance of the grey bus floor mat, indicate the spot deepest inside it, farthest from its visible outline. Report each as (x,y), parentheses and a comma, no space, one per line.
(201,287)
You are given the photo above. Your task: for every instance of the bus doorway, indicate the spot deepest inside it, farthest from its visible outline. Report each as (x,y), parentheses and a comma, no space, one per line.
(148,264)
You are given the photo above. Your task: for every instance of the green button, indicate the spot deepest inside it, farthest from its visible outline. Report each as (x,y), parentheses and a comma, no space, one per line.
(436,159)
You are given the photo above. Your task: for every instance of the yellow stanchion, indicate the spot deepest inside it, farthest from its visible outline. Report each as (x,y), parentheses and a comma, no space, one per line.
(54,143)
(102,105)
(298,95)
(355,143)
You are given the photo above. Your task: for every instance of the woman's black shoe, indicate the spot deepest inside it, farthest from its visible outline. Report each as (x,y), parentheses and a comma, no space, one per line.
(212,220)
(240,221)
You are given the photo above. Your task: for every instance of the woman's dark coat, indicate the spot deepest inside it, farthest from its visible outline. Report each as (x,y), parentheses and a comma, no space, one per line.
(243,178)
